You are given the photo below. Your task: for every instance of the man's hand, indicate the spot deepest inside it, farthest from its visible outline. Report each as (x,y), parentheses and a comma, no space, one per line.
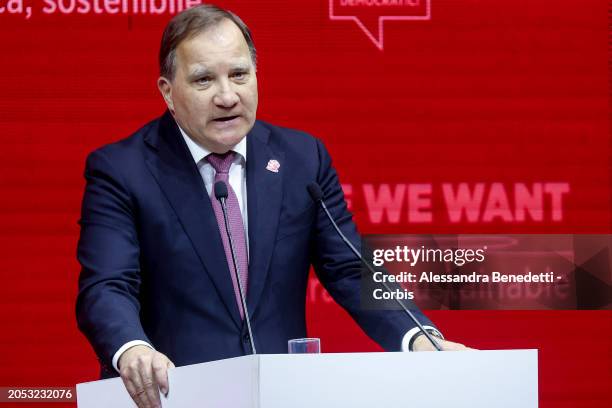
(421,343)
(144,372)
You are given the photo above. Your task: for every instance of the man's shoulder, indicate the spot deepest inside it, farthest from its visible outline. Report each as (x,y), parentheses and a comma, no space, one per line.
(287,137)
(129,145)
(282,130)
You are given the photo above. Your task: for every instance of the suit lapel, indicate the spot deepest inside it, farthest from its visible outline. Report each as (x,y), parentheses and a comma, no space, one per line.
(182,184)
(264,196)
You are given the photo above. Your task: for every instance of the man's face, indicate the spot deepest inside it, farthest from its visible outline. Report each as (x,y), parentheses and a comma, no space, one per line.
(213,95)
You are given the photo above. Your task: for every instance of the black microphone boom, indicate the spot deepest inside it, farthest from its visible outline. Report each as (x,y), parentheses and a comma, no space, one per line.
(221,195)
(317,196)
(315,192)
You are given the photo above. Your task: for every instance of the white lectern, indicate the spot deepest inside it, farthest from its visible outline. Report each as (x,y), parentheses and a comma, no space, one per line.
(474,379)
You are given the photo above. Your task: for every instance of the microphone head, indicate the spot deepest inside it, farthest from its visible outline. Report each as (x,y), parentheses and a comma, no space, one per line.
(220,190)
(315,192)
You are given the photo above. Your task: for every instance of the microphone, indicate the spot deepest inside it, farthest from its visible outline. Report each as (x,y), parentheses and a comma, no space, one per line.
(221,191)
(317,196)
(221,195)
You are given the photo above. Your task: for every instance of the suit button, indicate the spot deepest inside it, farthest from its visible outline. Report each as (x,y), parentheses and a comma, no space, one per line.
(246,338)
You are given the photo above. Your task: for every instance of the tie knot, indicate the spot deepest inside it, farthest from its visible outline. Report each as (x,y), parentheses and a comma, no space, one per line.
(221,162)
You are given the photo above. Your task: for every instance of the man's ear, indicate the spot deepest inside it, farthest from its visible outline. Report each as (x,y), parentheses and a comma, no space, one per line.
(165,88)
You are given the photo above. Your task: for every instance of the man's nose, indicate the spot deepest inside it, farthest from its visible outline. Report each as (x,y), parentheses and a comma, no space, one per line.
(226,96)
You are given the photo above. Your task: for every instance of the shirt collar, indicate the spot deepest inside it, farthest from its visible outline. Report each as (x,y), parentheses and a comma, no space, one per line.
(198,152)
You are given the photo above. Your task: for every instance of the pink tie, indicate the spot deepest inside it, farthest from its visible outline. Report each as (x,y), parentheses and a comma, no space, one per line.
(222,163)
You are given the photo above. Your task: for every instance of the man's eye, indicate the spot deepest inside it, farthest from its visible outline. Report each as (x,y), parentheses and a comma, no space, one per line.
(239,75)
(203,81)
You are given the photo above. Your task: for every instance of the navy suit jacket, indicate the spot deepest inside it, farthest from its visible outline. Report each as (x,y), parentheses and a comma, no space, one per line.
(153,264)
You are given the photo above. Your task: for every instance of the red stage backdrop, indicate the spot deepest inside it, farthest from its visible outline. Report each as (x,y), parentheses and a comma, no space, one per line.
(442,116)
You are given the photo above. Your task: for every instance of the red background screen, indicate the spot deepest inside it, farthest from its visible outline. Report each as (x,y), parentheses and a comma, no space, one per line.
(504,100)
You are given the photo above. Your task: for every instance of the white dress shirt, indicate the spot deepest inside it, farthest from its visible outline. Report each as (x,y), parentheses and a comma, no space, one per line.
(237,173)
(237,180)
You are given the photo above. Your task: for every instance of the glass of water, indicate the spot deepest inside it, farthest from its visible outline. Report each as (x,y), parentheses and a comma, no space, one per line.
(307,345)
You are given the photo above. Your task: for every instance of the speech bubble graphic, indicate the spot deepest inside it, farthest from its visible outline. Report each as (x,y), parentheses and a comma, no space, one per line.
(370,15)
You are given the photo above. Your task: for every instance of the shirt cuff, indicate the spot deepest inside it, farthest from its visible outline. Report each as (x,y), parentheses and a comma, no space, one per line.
(411,333)
(126,346)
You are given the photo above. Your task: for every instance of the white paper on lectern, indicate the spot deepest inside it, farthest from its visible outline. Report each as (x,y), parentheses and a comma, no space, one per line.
(474,379)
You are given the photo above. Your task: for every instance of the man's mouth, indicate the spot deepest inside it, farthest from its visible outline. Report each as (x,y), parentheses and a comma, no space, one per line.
(225,118)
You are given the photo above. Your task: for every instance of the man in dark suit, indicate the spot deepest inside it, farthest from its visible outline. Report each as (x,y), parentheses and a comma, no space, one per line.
(157,286)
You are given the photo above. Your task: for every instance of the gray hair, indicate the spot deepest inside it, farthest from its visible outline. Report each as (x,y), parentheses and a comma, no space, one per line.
(190,23)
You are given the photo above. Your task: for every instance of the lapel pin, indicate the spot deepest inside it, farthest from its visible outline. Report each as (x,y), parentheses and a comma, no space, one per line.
(273,166)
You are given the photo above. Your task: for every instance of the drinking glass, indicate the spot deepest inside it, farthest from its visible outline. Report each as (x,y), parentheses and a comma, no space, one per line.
(307,345)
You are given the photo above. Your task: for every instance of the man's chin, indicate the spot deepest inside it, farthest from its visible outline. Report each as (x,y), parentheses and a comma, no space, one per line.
(230,137)
(224,143)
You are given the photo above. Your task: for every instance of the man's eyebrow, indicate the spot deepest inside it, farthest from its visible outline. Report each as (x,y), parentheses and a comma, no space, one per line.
(199,71)
(241,66)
